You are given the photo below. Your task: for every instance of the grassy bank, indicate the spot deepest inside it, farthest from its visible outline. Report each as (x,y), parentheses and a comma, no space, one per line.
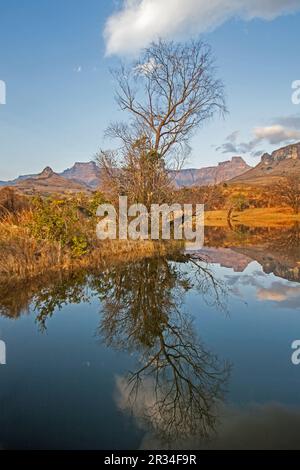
(24,256)
(42,235)
(260,217)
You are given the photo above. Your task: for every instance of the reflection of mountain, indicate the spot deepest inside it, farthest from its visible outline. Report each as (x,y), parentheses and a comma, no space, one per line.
(227,258)
(276,250)
(273,262)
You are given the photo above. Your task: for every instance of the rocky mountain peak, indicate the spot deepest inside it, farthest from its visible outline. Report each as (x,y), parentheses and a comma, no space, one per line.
(266,158)
(239,160)
(281,163)
(47,172)
(291,152)
(235,161)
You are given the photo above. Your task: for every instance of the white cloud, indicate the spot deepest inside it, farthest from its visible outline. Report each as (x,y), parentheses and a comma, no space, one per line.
(283,131)
(276,134)
(138,22)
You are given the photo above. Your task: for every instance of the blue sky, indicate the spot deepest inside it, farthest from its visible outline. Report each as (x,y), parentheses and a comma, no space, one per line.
(60,96)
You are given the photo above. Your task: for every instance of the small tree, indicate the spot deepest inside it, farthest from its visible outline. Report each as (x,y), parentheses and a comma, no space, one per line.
(168,94)
(142,175)
(287,190)
(237,202)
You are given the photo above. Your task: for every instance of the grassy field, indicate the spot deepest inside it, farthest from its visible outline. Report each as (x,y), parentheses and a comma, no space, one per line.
(265,217)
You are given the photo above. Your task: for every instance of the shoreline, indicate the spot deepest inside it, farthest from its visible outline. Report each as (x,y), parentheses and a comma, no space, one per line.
(23,257)
(108,252)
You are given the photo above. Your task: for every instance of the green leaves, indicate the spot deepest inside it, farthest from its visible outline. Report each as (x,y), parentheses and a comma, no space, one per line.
(70,221)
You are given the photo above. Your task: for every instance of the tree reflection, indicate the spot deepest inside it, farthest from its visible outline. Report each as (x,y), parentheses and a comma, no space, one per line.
(143,313)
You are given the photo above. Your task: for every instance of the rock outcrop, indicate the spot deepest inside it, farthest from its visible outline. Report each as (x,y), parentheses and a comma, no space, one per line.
(281,163)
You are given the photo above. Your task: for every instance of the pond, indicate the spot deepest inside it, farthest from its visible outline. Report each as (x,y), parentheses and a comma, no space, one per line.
(191,350)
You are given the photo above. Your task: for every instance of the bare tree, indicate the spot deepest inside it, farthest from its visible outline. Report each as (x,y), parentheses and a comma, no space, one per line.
(288,192)
(169,93)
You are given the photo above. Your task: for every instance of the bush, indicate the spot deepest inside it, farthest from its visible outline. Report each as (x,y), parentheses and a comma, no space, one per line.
(70,221)
(240,202)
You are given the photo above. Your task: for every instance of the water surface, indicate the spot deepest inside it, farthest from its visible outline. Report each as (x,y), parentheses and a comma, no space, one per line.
(182,351)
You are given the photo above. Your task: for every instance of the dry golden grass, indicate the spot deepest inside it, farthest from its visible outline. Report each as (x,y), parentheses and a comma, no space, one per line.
(265,217)
(24,257)
(20,254)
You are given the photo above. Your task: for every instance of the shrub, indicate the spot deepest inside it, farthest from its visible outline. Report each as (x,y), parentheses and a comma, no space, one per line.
(69,221)
(240,202)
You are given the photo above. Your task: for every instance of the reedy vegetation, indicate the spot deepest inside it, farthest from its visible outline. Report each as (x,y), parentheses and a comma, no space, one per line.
(58,233)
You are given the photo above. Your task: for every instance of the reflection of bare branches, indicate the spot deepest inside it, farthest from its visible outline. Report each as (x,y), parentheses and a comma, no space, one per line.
(137,301)
(213,291)
(187,384)
(143,313)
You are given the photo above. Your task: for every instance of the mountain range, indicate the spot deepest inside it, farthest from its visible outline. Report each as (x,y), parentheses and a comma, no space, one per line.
(47,182)
(87,176)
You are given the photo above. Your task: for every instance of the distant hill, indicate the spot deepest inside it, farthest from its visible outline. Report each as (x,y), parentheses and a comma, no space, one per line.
(281,163)
(224,171)
(87,175)
(15,181)
(84,173)
(47,182)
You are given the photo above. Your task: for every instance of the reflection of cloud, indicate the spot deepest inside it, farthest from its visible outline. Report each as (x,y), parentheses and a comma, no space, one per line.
(172,406)
(259,427)
(138,22)
(284,295)
(135,404)
(287,295)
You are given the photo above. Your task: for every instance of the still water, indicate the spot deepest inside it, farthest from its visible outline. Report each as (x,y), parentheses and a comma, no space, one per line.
(185,351)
